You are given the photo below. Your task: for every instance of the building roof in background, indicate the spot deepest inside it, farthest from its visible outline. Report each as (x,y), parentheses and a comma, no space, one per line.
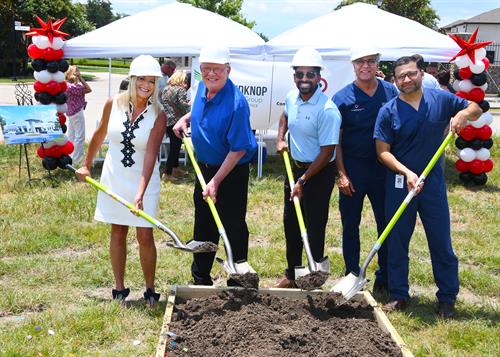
(488,17)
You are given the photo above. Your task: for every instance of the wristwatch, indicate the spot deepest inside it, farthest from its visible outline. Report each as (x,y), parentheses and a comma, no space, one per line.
(301,181)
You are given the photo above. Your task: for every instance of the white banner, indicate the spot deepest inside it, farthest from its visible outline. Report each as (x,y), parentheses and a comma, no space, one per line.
(265,84)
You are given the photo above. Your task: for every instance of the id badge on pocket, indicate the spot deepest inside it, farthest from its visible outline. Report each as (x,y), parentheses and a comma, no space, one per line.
(399,181)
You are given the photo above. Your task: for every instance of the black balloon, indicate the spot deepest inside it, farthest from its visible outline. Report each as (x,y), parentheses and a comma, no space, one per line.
(63,65)
(485,105)
(65,160)
(64,128)
(52,66)
(50,163)
(44,98)
(476,144)
(37,96)
(478,79)
(60,98)
(480,179)
(38,64)
(456,74)
(487,144)
(465,176)
(461,143)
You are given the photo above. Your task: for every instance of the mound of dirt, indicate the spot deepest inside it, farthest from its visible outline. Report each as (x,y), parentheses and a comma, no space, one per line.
(240,323)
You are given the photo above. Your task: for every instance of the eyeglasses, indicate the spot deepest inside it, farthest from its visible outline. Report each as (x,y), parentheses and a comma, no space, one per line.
(369,62)
(411,75)
(309,75)
(216,70)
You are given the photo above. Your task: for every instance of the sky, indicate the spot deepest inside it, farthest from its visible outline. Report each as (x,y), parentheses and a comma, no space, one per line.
(274,17)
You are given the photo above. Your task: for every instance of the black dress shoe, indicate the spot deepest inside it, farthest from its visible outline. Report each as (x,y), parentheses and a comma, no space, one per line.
(446,310)
(395,305)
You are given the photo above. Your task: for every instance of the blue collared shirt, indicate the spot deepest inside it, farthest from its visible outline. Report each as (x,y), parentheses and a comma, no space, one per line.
(311,124)
(221,125)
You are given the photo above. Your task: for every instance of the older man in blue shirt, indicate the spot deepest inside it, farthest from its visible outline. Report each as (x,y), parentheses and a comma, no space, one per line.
(313,123)
(224,145)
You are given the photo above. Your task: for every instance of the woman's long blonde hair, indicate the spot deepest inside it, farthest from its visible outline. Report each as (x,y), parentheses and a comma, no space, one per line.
(177,79)
(130,95)
(70,75)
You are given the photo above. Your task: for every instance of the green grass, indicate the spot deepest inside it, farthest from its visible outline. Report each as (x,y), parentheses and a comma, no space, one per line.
(55,271)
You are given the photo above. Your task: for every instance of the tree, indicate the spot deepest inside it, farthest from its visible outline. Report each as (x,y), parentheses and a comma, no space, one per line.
(99,12)
(227,8)
(417,10)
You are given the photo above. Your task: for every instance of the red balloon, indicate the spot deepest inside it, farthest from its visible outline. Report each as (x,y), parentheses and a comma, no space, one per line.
(484,132)
(67,148)
(62,118)
(50,54)
(476,166)
(63,86)
(40,152)
(468,133)
(465,73)
(39,86)
(461,166)
(52,87)
(476,95)
(462,95)
(486,62)
(34,52)
(488,165)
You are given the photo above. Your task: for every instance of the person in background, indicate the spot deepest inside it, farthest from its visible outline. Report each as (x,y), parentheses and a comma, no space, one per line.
(389,78)
(313,122)
(135,125)
(124,85)
(224,145)
(432,69)
(167,69)
(408,131)
(359,172)
(175,104)
(428,80)
(77,88)
(443,78)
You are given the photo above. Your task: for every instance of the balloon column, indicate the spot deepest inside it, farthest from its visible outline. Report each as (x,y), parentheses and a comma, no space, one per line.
(475,140)
(50,86)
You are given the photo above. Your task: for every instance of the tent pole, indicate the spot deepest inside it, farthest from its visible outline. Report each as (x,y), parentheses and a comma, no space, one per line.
(260,160)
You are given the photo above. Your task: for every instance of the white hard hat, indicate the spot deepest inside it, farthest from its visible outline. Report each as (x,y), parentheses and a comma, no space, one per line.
(360,52)
(307,57)
(145,65)
(214,54)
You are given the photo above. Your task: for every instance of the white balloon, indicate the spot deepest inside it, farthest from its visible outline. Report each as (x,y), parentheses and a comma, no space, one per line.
(479,54)
(456,86)
(62,108)
(42,42)
(57,43)
(463,61)
(467,154)
(479,122)
(42,76)
(484,87)
(488,118)
(465,85)
(34,40)
(58,77)
(483,154)
(477,68)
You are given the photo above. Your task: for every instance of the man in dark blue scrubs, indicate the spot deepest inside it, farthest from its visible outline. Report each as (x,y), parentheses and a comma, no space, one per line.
(360,173)
(408,131)
(224,145)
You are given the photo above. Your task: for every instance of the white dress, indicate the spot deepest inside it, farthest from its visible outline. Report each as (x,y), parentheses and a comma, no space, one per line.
(122,168)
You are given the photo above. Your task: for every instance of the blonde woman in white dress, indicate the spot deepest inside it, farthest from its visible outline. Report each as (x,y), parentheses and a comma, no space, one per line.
(135,125)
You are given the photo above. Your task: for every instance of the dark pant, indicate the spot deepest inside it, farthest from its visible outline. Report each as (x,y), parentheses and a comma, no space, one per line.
(231,204)
(315,204)
(368,179)
(173,152)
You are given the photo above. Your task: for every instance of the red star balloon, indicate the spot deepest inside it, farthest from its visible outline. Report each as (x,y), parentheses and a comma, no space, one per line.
(49,29)
(468,47)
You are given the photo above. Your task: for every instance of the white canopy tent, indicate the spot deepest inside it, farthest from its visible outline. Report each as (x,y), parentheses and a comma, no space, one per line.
(175,30)
(335,33)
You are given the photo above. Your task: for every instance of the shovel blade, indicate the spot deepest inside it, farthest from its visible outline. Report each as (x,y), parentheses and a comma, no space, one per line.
(201,247)
(349,285)
(243,273)
(307,280)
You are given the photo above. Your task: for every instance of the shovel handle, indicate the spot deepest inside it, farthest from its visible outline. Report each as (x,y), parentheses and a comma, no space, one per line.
(412,193)
(298,209)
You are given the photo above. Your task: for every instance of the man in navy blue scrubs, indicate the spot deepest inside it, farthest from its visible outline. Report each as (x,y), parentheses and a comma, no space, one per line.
(224,145)
(360,173)
(408,131)
(313,123)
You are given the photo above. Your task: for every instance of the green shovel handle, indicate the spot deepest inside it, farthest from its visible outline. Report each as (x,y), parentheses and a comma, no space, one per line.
(298,209)
(412,193)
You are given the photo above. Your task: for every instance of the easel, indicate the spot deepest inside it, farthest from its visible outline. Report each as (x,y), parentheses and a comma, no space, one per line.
(25,145)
